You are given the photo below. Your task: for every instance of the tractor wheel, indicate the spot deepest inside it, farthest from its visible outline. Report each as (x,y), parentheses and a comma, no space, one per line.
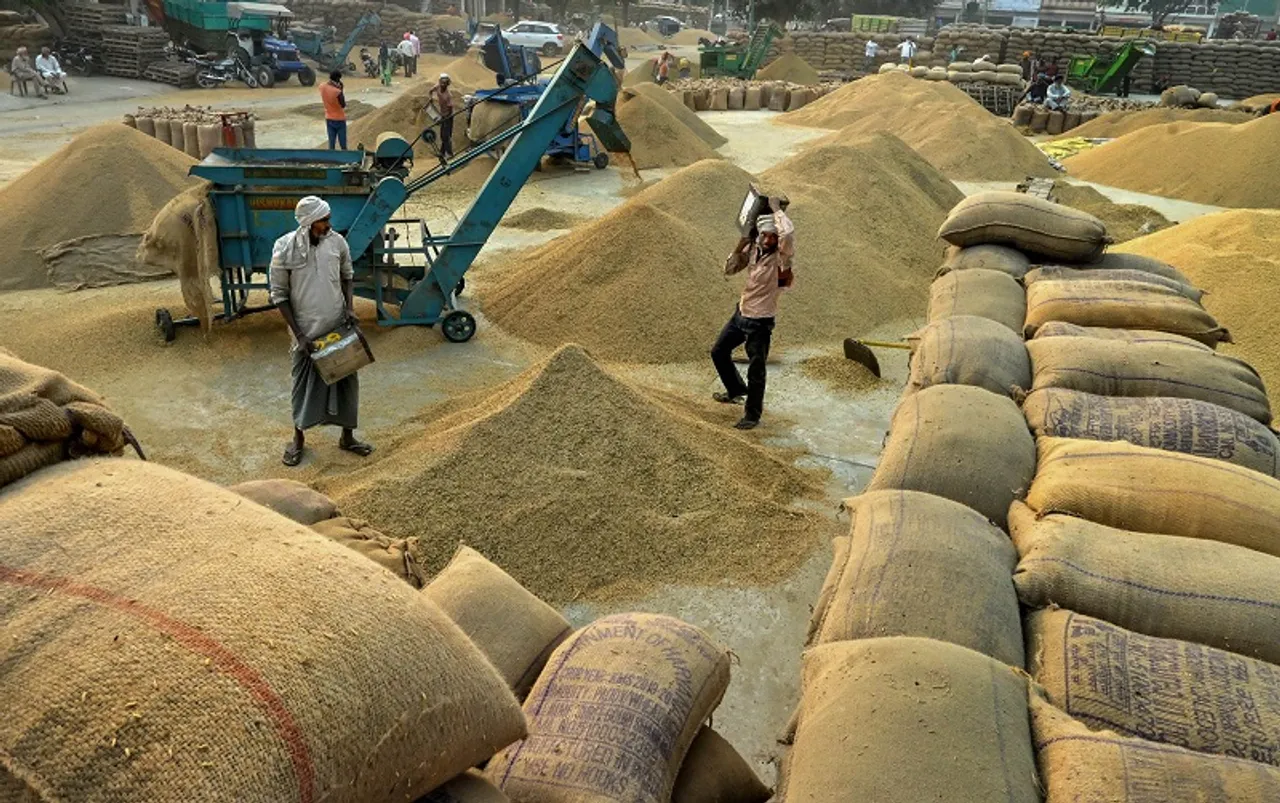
(265,75)
(307,77)
(600,160)
(458,326)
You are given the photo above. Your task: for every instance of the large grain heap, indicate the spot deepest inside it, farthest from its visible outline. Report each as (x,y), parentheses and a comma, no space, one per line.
(110,180)
(1235,257)
(683,113)
(1212,163)
(789,68)
(646,280)
(579,484)
(947,127)
(1118,123)
(658,137)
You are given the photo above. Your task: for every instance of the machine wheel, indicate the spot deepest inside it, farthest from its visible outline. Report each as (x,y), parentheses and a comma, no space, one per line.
(265,75)
(307,77)
(550,50)
(164,321)
(458,326)
(600,160)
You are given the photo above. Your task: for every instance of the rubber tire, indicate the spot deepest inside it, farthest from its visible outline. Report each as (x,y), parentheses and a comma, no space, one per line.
(600,160)
(307,77)
(208,83)
(550,50)
(458,326)
(164,321)
(265,75)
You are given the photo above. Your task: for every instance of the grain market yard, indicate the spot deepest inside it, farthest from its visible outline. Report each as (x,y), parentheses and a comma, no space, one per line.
(218,407)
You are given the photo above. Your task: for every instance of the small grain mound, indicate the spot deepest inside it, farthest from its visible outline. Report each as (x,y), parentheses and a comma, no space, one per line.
(1210,163)
(947,127)
(355,109)
(1119,123)
(658,138)
(790,68)
(1124,221)
(841,373)
(634,37)
(111,179)
(580,485)
(667,100)
(640,75)
(1257,102)
(542,219)
(646,280)
(1235,257)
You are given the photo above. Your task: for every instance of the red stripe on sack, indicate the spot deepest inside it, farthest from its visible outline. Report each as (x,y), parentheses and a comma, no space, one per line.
(196,641)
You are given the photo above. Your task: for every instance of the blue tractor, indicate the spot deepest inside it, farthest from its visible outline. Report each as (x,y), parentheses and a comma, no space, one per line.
(517,69)
(268,54)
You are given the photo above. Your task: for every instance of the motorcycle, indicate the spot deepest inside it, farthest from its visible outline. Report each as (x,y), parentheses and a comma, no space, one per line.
(451,43)
(369,63)
(75,60)
(215,73)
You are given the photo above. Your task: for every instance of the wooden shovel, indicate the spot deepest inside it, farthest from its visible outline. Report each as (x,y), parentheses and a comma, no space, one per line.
(860,351)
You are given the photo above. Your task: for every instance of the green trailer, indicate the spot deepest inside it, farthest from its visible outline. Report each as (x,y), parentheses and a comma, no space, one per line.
(206,24)
(1104,73)
(738,61)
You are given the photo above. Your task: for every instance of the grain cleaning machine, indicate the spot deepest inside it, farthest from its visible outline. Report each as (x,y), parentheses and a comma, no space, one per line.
(410,272)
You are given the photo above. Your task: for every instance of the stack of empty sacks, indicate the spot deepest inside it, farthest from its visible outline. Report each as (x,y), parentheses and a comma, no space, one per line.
(1149,534)
(1040,119)
(167,639)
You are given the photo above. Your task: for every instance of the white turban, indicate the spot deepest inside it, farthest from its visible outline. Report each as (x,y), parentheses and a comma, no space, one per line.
(765,224)
(309,210)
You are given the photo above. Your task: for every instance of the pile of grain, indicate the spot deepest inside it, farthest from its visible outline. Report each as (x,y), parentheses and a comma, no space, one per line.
(1235,257)
(658,137)
(683,113)
(790,68)
(947,127)
(643,74)
(1124,221)
(467,71)
(579,485)
(406,116)
(645,282)
(1211,163)
(1117,124)
(542,219)
(111,179)
(634,37)
(840,373)
(1257,103)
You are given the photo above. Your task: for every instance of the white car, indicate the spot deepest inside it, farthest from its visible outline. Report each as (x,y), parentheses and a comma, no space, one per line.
(546,37)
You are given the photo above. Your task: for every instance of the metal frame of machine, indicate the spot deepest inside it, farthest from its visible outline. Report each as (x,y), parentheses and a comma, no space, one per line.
(398,261)
(739,61)
(313,43)
(1104,72)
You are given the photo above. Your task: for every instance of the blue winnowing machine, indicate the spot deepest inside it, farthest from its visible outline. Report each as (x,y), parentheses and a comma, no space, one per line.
(399,263)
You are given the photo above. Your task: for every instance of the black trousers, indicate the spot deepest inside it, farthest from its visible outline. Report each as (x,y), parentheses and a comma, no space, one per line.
(756,333)
(446,137)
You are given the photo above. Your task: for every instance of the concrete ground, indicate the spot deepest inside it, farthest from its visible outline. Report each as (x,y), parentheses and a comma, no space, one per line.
(218,407)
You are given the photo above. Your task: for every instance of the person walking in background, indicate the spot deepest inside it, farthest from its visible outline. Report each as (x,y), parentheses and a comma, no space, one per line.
(869,54)
(384,62)
(335,110)
(442,100)
(753,319)
(907,50)
(663,68)
(417,48)
(406,55)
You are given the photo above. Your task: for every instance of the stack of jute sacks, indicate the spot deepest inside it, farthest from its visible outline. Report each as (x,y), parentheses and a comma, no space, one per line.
(170,640)
(845,52)
(1097,505)
(194,130)
(343,15)
(724,94)
(1042,120)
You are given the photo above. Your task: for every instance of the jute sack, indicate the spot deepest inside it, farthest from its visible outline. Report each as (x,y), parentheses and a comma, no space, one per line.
(1121,305)
(713,772)
(1169,691)
(46,418)
(1115,261)
(751,99)
(184,237)
(903,720)
(957,566)
(166,641)
(1175,425)
(1063,273)
(1078,765)
(469,787)
(663,678)
(987,294)
(1153,491)
(989,257)
(396,555)
(840,555)
(968,350)
(961,443)
(290,498)
(1063,329)
(1116,368)
(1031,225)
(1221,595)
(513,628)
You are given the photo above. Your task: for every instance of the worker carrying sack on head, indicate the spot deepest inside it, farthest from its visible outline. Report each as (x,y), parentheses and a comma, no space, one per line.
(311,285)
(768,261)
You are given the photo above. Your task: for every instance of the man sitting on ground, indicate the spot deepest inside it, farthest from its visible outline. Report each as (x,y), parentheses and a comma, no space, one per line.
(1058,95)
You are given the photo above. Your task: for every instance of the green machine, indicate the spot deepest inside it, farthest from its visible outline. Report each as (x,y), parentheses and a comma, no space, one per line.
(1103,73)
(738,61)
